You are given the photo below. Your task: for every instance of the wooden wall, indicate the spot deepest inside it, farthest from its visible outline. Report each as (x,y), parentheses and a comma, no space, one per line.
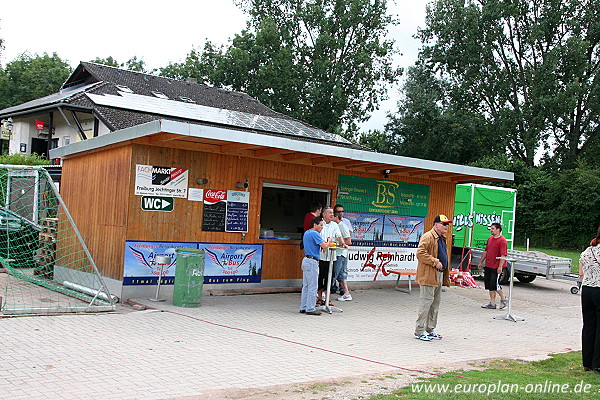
(95,189)
(111,213)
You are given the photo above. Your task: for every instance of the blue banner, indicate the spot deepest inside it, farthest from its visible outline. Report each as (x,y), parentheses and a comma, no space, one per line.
(232,263)
(224,262)
(384,230)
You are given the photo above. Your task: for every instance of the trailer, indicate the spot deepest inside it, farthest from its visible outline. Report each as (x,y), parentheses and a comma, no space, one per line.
(527,265)
(476,208)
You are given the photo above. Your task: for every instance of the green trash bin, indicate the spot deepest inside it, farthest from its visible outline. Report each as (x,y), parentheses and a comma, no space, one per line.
(189,277)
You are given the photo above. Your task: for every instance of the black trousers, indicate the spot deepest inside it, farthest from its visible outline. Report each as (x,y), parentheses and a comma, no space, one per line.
(590,335)
(323,274)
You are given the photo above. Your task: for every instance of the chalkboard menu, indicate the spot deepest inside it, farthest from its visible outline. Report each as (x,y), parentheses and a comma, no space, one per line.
(237,211)
(215,207)
(237,217)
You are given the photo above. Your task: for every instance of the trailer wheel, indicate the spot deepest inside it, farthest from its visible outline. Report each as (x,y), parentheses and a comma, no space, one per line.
(574,290)
(505,275)
(526,278)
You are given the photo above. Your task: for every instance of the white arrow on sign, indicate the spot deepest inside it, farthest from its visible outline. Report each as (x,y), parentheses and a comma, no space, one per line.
(151,203)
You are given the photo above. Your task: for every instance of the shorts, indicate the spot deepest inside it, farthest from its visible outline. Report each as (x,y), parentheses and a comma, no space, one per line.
(490,279)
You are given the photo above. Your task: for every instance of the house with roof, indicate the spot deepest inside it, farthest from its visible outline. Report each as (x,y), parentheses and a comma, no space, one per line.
(151,164)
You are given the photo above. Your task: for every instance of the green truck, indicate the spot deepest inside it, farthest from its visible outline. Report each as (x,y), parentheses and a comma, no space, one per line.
(476,208)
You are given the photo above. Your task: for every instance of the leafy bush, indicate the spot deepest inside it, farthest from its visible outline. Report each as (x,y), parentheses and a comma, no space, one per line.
(23,159)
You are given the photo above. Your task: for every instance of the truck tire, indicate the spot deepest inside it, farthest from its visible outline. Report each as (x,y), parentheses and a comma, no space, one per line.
(526,278)
(505,275)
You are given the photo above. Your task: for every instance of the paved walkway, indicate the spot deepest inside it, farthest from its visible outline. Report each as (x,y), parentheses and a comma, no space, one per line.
(261,341)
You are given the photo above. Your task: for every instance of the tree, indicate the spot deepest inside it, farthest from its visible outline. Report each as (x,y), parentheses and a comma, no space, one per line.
(133,64)
(429,125)
(529,67)
(30,77)
(326,62)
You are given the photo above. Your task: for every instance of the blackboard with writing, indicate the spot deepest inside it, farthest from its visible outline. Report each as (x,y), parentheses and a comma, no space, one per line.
(237,217)
(213,218)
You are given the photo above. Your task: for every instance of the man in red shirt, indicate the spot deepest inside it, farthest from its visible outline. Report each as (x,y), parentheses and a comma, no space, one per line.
(496,247)
(314,211)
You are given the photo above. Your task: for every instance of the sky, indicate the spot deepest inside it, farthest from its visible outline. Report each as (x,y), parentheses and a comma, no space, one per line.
(161,34)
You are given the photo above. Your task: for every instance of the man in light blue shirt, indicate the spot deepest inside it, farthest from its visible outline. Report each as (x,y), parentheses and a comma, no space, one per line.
(314,244)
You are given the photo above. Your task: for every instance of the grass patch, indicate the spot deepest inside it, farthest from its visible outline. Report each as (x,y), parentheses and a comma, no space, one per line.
(572,254)
(559,377)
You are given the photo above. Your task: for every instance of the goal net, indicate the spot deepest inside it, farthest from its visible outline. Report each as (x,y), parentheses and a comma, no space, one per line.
(47,266)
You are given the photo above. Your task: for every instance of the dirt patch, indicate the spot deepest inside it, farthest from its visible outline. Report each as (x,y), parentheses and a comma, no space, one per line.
(356,387)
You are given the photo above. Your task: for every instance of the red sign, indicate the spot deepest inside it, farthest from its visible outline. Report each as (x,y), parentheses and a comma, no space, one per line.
(39,125)
(212,196)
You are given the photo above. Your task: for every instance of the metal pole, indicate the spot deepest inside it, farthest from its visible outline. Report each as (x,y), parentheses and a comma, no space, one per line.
(158,286)
(508,316)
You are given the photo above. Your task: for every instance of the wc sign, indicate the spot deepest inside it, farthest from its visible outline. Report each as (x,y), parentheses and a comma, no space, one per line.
(153,203)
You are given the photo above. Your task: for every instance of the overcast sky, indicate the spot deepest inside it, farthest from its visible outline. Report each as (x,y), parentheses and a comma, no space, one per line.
(79,31)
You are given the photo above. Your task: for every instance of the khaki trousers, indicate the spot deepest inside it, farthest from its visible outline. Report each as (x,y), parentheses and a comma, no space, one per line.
(429,304)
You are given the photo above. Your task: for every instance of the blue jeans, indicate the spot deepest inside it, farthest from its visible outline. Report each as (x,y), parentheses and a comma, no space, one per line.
(340,269)
(310,275)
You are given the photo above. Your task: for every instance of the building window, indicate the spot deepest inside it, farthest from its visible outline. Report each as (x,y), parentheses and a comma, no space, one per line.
(283,208)
(66,140)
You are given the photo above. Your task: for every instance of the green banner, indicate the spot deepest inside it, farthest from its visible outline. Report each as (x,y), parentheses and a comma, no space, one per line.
(383,196)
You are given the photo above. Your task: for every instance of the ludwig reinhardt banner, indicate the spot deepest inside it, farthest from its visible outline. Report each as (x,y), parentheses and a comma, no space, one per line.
(373,263)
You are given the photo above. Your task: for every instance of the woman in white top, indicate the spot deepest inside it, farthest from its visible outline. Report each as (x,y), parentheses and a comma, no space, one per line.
(589,271)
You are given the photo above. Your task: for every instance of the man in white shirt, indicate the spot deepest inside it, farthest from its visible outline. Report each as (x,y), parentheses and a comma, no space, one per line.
(331,231)
(340,266)
(345,221)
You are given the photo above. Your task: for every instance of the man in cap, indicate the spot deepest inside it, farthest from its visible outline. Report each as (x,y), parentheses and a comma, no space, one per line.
(432,273)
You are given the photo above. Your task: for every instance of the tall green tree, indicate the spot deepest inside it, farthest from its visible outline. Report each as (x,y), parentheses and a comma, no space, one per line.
(530,67)
(429,125)
(29,77)
(133,64)
(326,62)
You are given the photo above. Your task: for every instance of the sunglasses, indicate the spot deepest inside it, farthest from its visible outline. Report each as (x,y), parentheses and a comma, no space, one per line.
(445,223)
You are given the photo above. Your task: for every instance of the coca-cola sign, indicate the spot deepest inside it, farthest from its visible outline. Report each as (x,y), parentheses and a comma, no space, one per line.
(212,196)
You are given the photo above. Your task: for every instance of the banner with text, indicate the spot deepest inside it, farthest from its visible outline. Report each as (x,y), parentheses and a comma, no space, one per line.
(224,262)
(366,195)
(140,266)
(151,180)
(385,230)
(373,263)
(232,263)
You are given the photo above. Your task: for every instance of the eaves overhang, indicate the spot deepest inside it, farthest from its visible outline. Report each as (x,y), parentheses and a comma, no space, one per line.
(172,134)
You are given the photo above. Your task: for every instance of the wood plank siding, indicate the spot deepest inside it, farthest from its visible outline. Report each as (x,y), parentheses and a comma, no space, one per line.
(107,212)
(95,189)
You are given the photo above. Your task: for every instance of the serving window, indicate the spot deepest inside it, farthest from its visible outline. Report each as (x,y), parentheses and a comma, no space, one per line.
(283,208)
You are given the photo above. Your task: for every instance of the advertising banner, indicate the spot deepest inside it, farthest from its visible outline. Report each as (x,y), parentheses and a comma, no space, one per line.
(400,229)
(373,263)
(224,262)
(232,263)
(368,228)
(366,195)
(385,230)
(151,180)
(140,266)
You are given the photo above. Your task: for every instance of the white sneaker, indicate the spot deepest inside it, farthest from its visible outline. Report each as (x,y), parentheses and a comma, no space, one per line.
(423,336)
(434,336)
(346,297)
